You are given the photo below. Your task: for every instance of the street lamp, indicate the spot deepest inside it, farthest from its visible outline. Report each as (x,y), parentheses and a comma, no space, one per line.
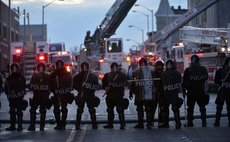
(147,18)
(133,41)
(148,10)
(142,31)
(43,7)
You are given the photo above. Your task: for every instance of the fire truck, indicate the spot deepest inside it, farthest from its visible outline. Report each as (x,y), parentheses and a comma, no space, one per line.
(65,56)
(210,44)
(114,52)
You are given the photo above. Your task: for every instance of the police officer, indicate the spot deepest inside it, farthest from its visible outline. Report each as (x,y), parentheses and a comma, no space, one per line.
(143,88)
(194,83)
(40,85)
(15,90)
(86,83)
(159,68)
(171,80)
(61,86)
(114,83)
(222,79)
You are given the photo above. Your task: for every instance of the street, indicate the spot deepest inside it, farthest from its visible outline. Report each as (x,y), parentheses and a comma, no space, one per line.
(86,134)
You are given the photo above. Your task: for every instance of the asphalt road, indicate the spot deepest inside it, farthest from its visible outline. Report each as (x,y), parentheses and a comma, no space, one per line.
(86,134)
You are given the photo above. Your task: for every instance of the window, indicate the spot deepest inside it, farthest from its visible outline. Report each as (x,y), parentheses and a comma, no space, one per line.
(114,46)
(5,32)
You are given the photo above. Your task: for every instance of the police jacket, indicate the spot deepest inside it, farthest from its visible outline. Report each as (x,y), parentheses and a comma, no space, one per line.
(40,83)
(143,86)
(116,82)
(223,80)
(15,86)
(85,83)
(194,78)
(171,80)
(61,82)
(158,83)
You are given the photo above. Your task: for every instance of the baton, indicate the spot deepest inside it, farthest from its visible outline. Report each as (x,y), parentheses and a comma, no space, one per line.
(135,80)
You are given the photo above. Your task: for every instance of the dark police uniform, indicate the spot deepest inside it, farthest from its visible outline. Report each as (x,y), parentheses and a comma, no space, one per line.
(114,83)
(194,82)
(144,91)
(14,88)
(222,79)
(171,80)
(61,86)
(159,67)
(86,83)
(40,85)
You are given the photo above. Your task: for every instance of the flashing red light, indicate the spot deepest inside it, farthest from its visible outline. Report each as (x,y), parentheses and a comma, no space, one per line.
(18,50)
(42,57)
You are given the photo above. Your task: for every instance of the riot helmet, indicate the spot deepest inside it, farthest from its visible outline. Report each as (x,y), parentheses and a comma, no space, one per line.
(142,62)
(84,66)
(159,65)
(114,67)
(59,64)
(14,67)
(195,59)
(170,64)
(41,67)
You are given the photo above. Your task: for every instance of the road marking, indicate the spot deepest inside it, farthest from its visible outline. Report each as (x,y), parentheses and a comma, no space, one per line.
(83,132)
(74,132)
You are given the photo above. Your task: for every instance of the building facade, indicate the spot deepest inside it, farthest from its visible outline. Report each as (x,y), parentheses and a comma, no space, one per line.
(215,16)
(164,16)
(6,32)
(33,33)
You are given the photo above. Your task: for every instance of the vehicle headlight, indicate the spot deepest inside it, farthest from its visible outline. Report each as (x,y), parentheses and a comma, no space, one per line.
(228,49)
(222,49)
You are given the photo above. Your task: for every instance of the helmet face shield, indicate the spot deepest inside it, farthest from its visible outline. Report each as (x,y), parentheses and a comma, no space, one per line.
(41,69)
(114,69)
(59,65)
(14,69)
(169,66)
(85,68)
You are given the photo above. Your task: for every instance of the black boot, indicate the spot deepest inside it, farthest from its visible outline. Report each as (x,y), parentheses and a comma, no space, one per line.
(64,117)
(203,117)
(218,115)
(110,121)
(78,121)
(122,120)
(94,120)
(190,119)
(57,118)
(177,119)
(20,128)
(149,117)
(165,118)
(140,116)
(42,121)
(32,120)
(12,122)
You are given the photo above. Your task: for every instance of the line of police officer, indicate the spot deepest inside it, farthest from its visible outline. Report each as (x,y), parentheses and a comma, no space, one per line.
(151,88)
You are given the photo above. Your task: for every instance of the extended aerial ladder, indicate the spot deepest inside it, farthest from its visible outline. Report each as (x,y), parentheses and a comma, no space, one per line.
(168,30)
(120,9)
(115,15)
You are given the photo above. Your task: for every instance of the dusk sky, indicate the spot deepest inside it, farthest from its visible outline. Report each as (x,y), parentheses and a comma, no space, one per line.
(69,20)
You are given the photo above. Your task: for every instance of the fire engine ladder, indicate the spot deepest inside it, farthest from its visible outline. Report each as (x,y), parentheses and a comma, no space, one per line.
(179,22)
(113,19)
(29,65)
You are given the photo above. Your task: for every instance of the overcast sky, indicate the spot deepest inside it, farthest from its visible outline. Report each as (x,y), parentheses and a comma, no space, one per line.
(69,20)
